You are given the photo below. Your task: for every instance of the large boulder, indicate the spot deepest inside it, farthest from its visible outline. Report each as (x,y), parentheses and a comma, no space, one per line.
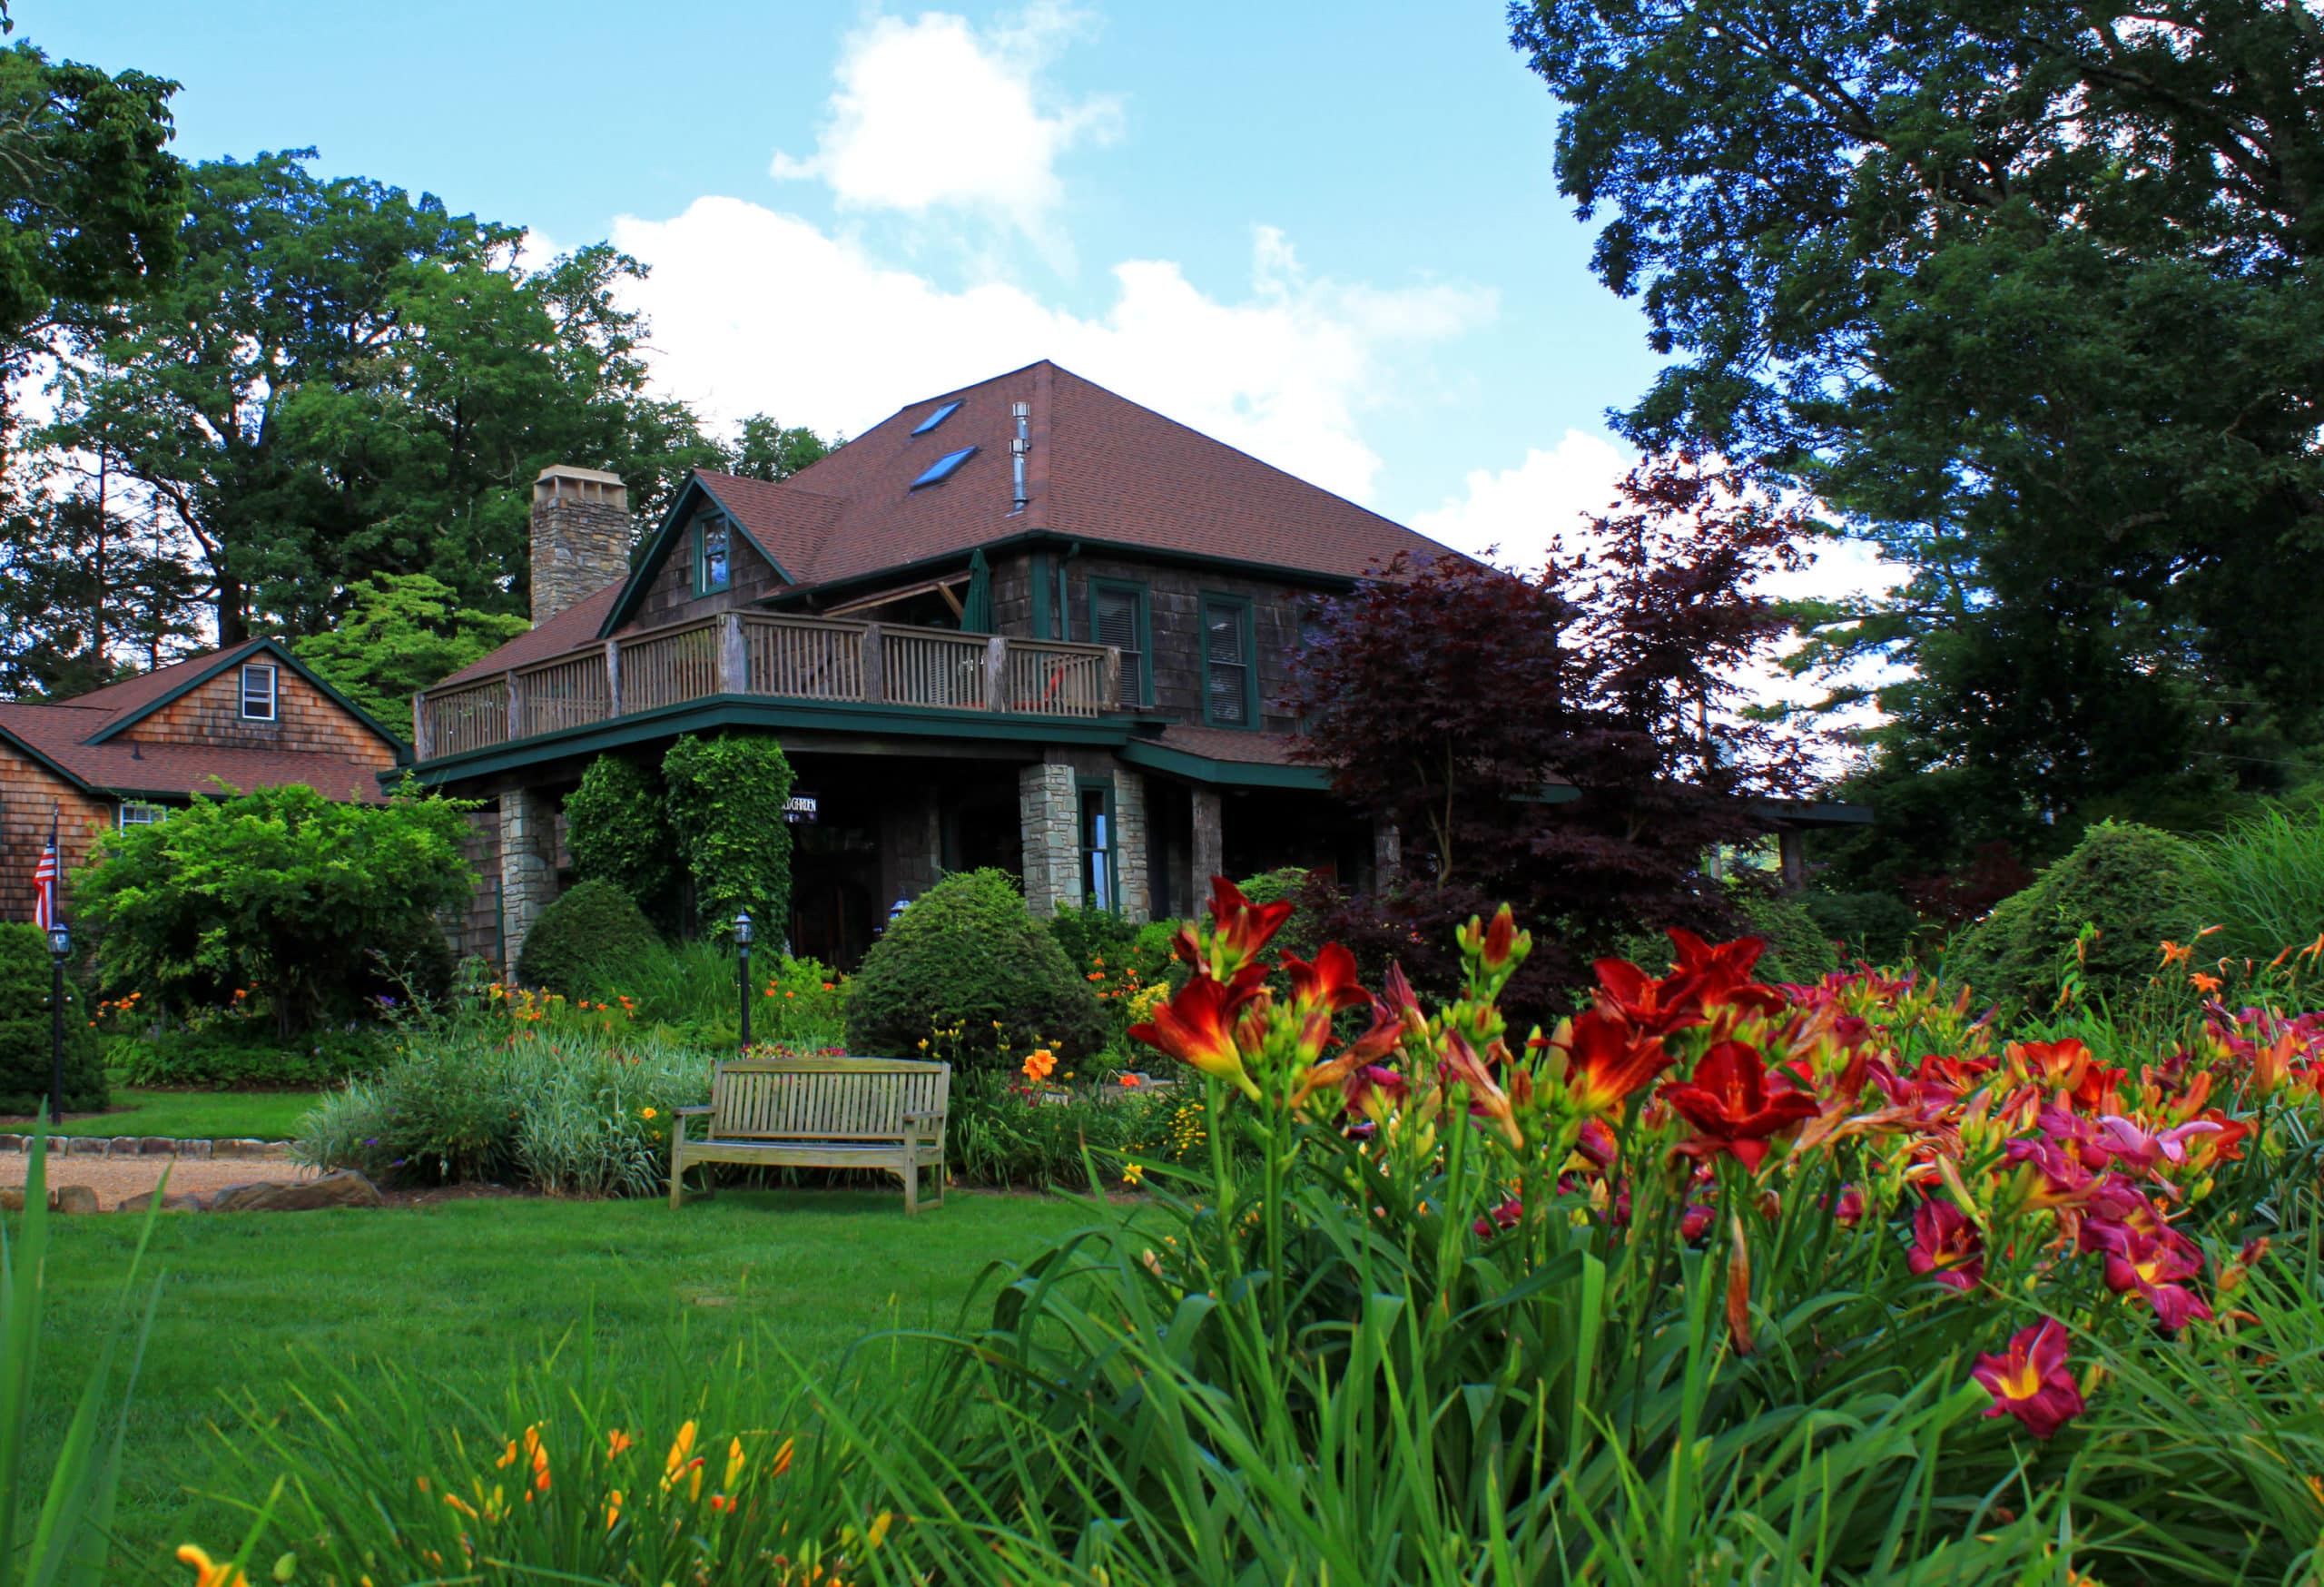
(346,1187)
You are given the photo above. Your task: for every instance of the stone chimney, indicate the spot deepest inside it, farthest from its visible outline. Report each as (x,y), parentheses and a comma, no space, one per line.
(580,536)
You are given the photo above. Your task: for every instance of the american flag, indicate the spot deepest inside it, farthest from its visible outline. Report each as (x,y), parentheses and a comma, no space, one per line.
(44,882)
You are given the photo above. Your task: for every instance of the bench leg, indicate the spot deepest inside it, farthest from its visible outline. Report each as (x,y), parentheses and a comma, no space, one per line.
(912,1188)
(677,1167)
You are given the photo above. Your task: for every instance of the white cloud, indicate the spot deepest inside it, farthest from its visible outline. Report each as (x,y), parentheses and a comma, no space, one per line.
(933,113)
(1546,502)
(755,310)
(1519,513)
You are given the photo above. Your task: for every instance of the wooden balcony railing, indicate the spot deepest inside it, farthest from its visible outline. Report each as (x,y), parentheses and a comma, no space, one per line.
(761,654)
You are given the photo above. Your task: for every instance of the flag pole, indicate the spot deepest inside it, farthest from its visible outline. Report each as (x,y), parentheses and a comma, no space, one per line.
(57,948)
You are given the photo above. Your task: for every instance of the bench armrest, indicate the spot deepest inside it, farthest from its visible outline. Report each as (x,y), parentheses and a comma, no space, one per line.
(921,1118)
(691,1113)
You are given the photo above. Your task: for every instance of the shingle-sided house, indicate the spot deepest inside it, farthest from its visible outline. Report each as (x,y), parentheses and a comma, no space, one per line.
(1027,624)
(248,716)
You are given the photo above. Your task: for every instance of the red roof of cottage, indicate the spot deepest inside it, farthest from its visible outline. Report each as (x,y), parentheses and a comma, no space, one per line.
(59,733)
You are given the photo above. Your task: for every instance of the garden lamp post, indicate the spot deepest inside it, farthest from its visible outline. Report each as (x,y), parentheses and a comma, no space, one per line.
(60,944)
(743,940)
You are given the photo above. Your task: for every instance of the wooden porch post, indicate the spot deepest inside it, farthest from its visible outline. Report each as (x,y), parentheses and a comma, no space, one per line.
(996,673)
(613,677)
(875,659)
(733,667)
(420,747)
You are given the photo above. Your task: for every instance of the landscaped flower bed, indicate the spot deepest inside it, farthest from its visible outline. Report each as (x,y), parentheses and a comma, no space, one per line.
(1711,1280)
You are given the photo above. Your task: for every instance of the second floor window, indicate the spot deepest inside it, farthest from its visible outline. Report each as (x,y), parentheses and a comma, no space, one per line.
(711,568)
(258,693)
(133,814)
(1117,617)
(1230,693)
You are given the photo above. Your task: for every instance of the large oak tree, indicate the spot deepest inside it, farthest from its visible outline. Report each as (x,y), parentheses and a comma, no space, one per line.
(2030,292)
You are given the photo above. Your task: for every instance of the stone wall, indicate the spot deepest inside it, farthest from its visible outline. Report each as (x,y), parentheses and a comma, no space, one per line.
(528,865)
(1048,813)
(1131,844)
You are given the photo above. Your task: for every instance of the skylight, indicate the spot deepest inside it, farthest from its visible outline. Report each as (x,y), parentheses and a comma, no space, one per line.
(936,418)
(944,467)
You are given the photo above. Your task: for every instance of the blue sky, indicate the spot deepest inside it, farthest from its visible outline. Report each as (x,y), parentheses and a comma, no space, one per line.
(1337,244)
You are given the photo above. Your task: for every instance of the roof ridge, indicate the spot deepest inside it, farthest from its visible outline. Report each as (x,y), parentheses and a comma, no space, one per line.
(1252,456)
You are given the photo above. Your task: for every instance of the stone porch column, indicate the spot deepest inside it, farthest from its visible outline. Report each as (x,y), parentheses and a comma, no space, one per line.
(1209,848)
(1049,825)
(1132,866)
(527,866)
(1387,855)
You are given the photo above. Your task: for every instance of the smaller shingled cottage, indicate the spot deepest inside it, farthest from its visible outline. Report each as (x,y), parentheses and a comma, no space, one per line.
(248,716)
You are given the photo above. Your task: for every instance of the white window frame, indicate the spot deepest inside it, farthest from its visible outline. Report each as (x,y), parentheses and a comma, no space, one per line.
(148,814)
(254,669)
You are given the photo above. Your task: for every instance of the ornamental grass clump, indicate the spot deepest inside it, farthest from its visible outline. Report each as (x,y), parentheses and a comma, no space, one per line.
(567,1111)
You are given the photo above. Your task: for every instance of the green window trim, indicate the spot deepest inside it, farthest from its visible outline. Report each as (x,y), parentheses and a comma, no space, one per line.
(1094,840)
(1246,638)
(1141,600)
(704,583)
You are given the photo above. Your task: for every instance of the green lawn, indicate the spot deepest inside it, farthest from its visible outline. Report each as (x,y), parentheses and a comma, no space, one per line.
(191,1115)
(452,1293)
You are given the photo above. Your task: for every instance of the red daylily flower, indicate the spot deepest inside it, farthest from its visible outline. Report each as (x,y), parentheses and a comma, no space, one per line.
(1240,929)
(1651,1006)
(1946,1245)
(1606,1059)
(1486,1097)
(1196,1028)
(1730,1105)
(2030,1381)
(2154,1266)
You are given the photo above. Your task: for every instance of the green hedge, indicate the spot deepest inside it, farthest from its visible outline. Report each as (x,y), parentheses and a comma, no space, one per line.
(2135,884)
(245,1053)
(1874,926)
(968,951)
(592,939)
(1798,952)
(27,1034)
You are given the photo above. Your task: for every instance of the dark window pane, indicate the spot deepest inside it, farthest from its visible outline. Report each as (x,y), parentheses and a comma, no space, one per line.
(1228,683)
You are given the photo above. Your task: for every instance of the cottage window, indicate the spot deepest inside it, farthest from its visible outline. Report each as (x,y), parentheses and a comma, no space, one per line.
(258,693)
(712,569)
(133,814)
(1097,876)
(1230,687)
(1119,617)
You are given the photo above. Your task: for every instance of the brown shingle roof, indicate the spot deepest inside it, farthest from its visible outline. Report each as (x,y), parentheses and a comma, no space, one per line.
(1101,467)
(568,630)
(121,765)
(1231,743)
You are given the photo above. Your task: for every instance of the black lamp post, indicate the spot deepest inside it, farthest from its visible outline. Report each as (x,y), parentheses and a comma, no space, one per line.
(743,940)
(60,944)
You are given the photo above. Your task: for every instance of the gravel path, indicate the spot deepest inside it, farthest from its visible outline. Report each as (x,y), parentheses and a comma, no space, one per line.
(114,1178)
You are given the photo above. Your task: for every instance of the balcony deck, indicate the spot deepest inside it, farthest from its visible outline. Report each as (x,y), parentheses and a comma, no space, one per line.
(819,660)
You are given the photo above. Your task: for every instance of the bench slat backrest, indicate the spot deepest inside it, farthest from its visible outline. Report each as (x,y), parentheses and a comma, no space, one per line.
(823,1099)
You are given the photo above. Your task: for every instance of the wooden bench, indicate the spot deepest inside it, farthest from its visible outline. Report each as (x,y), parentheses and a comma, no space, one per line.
(885,1113)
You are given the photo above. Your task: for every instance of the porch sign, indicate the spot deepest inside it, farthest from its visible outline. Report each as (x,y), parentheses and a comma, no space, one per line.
(799,807)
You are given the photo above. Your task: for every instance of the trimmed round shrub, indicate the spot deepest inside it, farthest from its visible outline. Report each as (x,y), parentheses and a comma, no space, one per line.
(2135,884)
(968,951)
(1797,951)
(26,1034)
(593,936)
(1874,926)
